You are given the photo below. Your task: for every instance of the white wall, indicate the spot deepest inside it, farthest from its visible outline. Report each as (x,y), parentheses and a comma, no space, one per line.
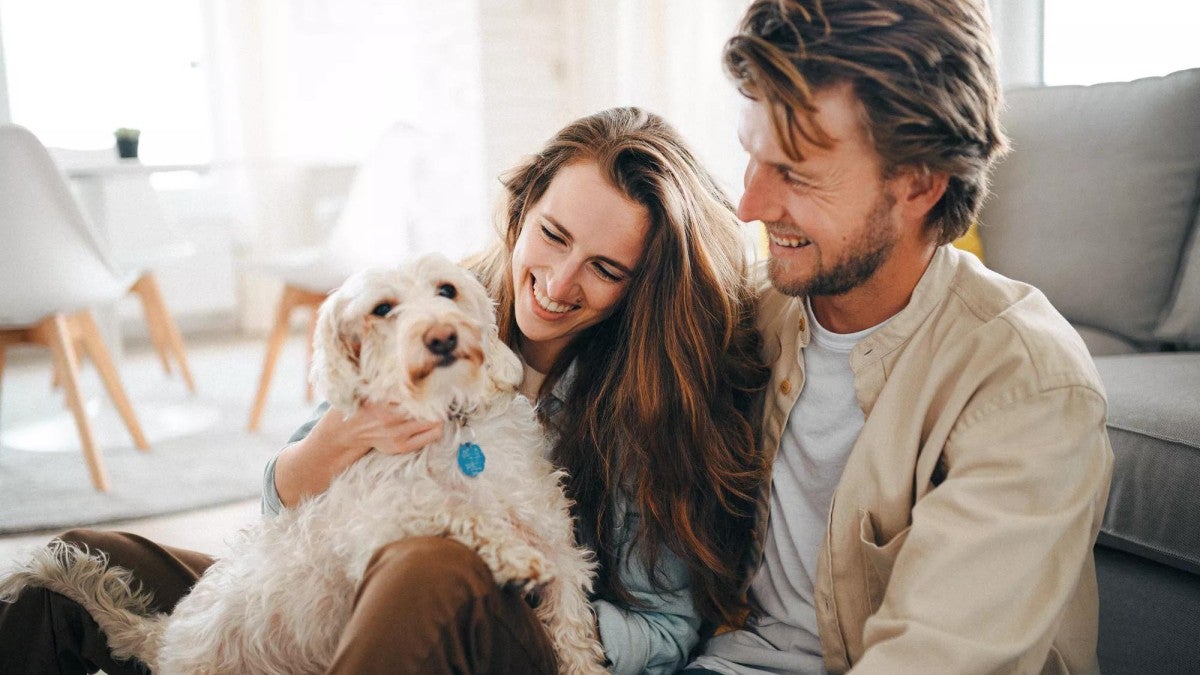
(547,62)
(665,56)
(525,80)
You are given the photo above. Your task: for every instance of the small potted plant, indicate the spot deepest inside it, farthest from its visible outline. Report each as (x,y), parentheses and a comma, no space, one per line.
(127,142)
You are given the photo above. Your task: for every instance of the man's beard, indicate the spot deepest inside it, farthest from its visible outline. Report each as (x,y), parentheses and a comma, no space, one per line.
(864,256)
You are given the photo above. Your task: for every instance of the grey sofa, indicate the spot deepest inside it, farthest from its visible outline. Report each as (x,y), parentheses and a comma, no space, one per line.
(1098,207)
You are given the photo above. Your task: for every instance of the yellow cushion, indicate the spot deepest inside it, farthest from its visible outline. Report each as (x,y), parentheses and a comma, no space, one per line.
(762,245)
(970,242)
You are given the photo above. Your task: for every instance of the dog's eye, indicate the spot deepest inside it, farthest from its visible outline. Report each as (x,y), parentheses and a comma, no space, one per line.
(447,291)
(382,309)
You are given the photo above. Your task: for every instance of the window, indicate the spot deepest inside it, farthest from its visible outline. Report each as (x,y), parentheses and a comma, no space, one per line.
(1090,41)
(77,70)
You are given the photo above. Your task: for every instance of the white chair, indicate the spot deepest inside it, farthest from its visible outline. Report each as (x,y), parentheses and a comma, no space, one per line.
(52,270)
(139,237)
(399,205)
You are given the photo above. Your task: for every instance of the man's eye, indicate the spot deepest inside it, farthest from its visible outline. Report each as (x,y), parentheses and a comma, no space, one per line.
(382,309)
(794,180)
(447,291)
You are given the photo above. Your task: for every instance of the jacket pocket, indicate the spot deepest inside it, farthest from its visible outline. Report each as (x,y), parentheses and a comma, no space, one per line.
(878,557)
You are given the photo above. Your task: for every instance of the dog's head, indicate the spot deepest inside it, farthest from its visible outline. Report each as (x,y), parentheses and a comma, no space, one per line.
(423,335)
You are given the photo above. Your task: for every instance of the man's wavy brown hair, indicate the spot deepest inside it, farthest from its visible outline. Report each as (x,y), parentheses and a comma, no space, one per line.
(924,71)
(665,405)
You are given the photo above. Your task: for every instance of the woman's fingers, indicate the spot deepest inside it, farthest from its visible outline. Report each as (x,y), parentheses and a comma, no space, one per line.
(412,436)
(380,426)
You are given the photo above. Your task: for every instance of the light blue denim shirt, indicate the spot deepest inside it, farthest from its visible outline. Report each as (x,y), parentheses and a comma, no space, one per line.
(654,639)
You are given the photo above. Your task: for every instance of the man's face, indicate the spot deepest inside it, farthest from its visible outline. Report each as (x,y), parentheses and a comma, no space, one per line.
(828,217)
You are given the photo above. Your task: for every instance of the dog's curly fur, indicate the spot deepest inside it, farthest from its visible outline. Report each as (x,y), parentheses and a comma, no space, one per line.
(279,601)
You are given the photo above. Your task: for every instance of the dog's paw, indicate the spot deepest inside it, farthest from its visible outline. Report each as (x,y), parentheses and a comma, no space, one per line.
(525,568)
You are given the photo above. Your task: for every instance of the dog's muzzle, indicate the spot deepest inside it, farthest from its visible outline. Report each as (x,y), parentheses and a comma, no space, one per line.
(441,340)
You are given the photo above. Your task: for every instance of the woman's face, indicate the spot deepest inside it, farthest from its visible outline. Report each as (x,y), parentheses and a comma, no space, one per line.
(578,247)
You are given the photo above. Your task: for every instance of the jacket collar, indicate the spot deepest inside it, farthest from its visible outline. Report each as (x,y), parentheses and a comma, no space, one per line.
(929,292)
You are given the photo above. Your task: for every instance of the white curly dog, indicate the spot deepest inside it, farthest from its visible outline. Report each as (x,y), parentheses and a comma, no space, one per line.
(423,337)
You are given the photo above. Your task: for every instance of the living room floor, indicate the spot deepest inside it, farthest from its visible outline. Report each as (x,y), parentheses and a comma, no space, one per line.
(203,530)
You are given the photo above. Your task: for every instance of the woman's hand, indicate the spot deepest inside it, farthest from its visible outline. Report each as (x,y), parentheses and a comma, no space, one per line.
(308,466)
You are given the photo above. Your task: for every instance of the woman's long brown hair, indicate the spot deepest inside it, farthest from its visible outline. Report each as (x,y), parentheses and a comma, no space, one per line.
(665,404)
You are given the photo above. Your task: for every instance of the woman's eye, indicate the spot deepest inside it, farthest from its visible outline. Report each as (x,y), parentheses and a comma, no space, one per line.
(382,309)
(607,274)
(552,236)
(447,291)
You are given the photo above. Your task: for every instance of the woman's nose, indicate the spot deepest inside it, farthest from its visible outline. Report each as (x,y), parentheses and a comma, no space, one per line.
(563,281)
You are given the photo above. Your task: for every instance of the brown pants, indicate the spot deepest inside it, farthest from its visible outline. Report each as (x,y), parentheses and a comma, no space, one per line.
(426,605)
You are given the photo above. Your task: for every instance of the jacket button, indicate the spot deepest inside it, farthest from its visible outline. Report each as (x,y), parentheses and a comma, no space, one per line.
(785,387)
(801,323)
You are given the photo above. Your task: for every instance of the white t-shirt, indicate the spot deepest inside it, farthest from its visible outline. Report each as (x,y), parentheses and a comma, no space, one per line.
(532,382)
(822,428)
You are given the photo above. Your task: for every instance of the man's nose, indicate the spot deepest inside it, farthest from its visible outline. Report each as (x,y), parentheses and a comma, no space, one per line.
(762,199)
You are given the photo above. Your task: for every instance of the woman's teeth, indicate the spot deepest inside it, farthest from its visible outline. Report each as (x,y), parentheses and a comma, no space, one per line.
(788,242)
(550,305)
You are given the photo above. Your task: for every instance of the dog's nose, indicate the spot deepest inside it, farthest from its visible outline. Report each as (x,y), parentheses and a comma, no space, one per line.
(442,340)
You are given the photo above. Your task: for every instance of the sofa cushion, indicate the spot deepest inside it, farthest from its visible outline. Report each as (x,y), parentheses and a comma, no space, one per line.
(1182,322)
(1095,203)
(1154,426)
(1103,343)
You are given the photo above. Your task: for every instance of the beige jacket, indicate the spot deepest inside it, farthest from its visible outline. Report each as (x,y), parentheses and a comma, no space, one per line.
(960,537)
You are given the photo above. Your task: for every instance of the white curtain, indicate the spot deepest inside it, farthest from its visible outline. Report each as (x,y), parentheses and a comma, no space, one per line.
(1018,28)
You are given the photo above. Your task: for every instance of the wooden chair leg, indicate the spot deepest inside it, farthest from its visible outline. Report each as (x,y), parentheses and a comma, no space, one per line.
(153,326)
(275,342)
(93,344)
(55,332)
(164,333)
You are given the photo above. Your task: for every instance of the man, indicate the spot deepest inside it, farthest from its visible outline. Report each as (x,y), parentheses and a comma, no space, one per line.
(940,460)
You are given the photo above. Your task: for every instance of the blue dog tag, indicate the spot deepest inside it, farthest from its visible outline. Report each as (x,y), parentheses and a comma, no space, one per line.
(470,459)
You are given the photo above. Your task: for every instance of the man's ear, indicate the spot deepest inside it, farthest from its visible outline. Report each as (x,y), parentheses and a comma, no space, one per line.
(337,346)
(917,190)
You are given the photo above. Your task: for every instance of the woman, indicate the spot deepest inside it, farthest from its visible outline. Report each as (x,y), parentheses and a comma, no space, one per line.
(620,281)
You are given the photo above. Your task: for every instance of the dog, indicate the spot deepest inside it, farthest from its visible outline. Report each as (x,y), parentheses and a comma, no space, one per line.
(423,338)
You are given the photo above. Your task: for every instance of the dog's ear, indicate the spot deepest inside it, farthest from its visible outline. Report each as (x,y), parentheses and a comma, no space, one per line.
(337,346)
(504,369)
